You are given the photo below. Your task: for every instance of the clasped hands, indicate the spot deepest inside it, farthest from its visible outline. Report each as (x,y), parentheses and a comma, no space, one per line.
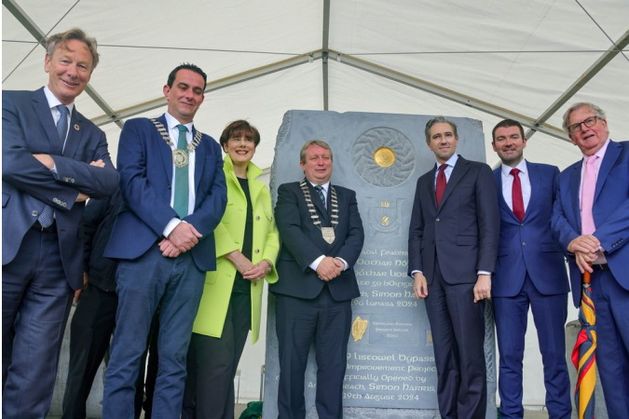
(329,268)
(183,238)
(586,248)
(249,270)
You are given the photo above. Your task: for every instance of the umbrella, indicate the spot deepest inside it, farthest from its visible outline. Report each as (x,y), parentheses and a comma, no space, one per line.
(584,353)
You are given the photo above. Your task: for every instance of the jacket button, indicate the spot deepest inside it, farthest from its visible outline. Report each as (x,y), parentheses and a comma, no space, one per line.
(258,218)
(257,250)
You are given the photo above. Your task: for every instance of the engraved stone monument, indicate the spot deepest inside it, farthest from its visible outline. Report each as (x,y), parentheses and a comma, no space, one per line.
(390,362)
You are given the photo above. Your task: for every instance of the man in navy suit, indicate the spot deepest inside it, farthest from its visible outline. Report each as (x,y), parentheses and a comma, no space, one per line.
(53,159)
(322,236)
(530,271)
(452,246)
(173,184)
(591,218)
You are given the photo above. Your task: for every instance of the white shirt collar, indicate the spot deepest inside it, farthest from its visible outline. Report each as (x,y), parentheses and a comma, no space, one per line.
(53,102)
(172,122)
(323,185)
(506,170)
(451,161)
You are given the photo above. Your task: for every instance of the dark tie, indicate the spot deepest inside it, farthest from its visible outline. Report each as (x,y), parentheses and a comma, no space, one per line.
(181,176)
(441,184)
(516,195)
(319,190)
(62,123)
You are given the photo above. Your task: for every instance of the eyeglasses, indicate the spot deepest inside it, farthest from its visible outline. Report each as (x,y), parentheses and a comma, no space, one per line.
(589,123)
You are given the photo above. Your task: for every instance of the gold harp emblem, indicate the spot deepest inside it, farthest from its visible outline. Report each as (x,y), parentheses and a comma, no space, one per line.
(359,327)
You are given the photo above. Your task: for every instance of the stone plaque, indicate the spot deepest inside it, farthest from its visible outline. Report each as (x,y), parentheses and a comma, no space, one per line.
(390,363)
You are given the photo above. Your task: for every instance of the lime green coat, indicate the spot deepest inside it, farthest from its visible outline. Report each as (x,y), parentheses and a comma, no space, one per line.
(228,237)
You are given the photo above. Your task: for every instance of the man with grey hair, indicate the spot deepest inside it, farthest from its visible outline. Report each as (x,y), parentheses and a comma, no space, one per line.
(322,236)
(452,248)
(591,219)
(53,159)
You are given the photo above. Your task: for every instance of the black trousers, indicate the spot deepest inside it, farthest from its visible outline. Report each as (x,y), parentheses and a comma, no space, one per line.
(300,323)
(458,331)
(90,333)
(212,364)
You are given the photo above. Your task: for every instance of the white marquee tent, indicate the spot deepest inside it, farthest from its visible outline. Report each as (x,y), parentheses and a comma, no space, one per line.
(485,59)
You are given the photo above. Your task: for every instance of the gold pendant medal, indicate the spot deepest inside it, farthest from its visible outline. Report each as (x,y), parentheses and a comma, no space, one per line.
(180,158)
(328,234)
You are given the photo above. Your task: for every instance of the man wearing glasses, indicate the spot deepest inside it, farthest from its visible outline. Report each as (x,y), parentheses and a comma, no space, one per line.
(591,219)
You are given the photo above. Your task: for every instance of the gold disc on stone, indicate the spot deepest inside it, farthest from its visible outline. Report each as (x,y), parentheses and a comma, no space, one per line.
(384,157)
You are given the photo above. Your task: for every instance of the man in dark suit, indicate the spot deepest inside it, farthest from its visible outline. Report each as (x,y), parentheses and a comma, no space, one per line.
(322,236)
(95,315)
(530,271)
(53,159)
(173,185)
(591,218)
(453,241)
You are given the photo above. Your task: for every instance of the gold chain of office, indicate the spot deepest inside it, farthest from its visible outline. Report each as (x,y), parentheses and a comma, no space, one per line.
(180,157)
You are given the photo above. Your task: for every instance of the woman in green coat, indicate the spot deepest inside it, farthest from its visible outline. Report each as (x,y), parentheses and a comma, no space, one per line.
(247,244)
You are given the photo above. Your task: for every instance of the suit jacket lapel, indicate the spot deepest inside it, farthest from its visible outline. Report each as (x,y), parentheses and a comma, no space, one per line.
(199,162)
(575,183)
(534,179)
(45,118)
(610,157)
(460,168)
(164,149)
(501,200)
(74,134)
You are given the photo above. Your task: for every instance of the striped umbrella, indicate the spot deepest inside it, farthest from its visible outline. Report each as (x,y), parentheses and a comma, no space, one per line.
(584,353)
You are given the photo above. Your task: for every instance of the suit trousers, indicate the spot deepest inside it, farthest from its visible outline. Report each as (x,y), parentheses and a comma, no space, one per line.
(143,284)
(36,301)
(90,334)
(213,362)
(299,323)
(611,304)
(458,331)
(549,314)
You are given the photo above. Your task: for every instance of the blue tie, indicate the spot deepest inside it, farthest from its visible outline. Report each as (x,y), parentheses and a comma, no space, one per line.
(62,124)
(181,176)
(319,190)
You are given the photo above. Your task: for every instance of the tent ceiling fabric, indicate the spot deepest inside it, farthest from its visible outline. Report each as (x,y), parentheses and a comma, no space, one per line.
(492,58)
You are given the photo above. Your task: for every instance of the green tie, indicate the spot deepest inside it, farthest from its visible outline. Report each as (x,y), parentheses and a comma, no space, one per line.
(181,176)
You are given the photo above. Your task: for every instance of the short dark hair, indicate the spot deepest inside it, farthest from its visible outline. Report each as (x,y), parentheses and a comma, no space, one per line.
(54,41)
(240,127)
(505,123)
(437,120)
(185,66)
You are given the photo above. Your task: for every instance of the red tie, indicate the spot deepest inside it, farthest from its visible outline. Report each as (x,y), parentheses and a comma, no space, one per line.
(441,184)
(516,195)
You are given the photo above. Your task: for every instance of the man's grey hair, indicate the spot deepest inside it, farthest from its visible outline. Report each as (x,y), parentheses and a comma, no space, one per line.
(437,120)
(54,41)
(320,143)
(597,110)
